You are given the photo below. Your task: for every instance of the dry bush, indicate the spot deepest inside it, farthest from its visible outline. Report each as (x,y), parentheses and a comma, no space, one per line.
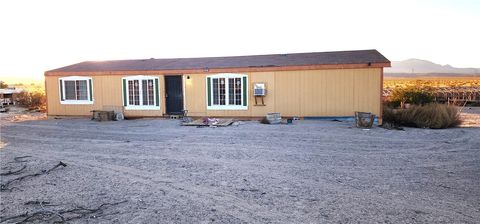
(32,101)
(3,85)
(433,116)
(390,115)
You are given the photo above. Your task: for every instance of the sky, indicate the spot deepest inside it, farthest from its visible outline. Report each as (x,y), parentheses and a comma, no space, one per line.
(36,36)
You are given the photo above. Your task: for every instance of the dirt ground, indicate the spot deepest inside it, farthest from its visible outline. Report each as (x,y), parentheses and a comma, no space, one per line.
(309,172)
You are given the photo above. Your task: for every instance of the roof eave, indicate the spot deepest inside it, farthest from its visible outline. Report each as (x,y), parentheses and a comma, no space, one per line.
(232,69)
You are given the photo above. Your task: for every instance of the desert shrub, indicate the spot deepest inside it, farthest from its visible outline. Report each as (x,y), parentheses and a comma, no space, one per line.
(415,95)
(32,101)
(3,85)
(432,115)
(389,115)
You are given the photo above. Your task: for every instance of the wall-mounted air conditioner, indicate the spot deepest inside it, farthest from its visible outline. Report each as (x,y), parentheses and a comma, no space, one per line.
(259,89)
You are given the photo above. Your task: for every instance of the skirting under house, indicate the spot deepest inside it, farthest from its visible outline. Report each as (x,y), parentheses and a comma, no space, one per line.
(325,84)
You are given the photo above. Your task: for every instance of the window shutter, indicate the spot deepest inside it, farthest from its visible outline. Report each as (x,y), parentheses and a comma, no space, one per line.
(209,91)
(244,91)
(61,90)
(90,88)
(157,95)
(124,85)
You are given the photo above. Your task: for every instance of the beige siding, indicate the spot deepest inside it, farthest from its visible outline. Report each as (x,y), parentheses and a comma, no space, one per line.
(287,100)
(310,93)
(107,94)
(307,93)
(195,90)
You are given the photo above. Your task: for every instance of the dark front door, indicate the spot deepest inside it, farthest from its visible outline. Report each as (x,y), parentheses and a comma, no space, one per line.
(174,94)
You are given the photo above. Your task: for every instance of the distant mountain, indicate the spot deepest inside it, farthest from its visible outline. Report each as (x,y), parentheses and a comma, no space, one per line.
(419,67)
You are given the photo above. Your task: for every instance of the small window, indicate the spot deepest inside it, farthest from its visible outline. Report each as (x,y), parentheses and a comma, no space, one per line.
(76,90)
(227,92)
(141,92)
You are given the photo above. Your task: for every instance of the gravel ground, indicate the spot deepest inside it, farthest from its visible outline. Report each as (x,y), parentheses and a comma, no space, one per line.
(309,172)
(470,116)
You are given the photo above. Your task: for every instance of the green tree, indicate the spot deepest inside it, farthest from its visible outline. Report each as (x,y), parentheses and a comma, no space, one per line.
(416,95)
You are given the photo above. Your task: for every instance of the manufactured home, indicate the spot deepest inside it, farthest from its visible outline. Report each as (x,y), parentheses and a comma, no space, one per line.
(306,85)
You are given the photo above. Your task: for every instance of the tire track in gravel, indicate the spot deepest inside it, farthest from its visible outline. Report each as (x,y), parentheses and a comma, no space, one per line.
(164,138)
(187,155)
(298,134)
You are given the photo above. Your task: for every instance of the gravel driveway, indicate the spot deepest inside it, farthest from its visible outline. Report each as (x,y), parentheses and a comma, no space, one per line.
(309,172)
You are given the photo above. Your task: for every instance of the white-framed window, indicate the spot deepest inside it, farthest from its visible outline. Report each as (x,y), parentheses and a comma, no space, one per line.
(227,91)
(76,90)
(141,93)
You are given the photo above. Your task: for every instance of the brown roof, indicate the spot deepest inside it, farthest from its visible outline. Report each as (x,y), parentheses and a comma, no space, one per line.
(254,61)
